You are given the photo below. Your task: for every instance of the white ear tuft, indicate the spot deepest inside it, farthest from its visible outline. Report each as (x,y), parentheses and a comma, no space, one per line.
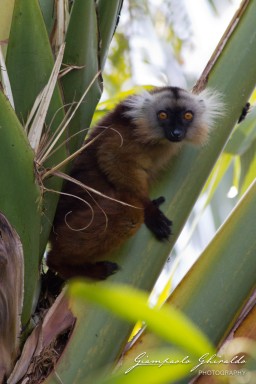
(214,105)
(137,103)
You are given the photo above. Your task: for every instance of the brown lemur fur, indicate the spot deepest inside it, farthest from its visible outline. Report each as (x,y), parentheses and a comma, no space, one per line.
(135,142)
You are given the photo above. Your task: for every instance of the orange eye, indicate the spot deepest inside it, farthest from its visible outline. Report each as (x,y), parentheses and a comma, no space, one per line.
(188,115)
(162,115)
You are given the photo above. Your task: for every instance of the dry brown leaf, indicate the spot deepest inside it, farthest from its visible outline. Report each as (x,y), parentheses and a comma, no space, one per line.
(40,344)
(11,295)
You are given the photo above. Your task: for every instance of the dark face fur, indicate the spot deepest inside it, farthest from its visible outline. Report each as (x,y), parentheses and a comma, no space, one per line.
(177,116)
(175,122)
(172,114)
